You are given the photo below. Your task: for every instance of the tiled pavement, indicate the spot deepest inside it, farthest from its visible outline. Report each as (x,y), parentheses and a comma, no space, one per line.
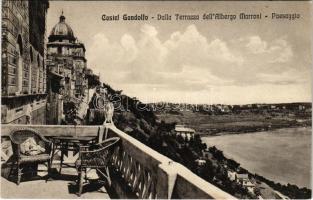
(60,187)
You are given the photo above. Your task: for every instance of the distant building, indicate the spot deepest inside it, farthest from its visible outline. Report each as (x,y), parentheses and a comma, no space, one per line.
(309,110)
(200,162)
(226,109)
(184,131)
(301,107)
(231,175)
(206,154)
(244,180)
(23,88)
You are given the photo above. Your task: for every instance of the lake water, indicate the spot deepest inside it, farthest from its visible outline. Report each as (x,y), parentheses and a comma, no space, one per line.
(282,155)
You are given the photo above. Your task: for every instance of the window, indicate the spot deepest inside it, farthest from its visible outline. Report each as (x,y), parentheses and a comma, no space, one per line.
(12,80)
(38,61)
(19,75)
(31,55)
(59,50)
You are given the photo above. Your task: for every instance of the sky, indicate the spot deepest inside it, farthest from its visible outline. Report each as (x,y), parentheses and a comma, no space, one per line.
(206,61)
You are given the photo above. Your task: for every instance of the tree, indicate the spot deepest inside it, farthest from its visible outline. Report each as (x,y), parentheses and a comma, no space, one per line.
(232,164)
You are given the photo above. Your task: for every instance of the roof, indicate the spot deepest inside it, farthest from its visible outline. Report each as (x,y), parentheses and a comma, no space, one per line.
(62,29)
(182,128)
(200,161)
(242,176)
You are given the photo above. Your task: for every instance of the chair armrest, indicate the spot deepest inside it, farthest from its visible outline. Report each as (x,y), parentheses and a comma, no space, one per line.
(47,143)
(14,141)
(101,146)
(94,151)
(16,148)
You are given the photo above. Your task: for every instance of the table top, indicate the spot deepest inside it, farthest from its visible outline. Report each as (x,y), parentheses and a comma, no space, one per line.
(73,138)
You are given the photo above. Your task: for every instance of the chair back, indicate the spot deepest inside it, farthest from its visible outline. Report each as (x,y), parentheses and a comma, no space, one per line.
(109,143)
(99,154)
(20,135)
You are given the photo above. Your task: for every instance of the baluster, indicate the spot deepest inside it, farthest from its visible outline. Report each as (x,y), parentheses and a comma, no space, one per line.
(126,167)
(138,179)
(136,176)
(128,173)
(142,182)
(147,183)
(153,189)
(133,171)
(115,156)
(122,162)
(125,162)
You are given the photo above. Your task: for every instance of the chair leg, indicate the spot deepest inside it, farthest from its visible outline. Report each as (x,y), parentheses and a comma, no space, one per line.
(62,158)
(80,181)
(19,174)
(106,175)
(49,170)
(11,170)
(52,154)
(85,175)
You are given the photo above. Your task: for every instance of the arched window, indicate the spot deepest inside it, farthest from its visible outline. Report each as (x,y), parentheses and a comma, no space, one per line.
(31,54)
(43,76)
(19,48)
(38,73)
(20,44)
(38,61)
(31,69)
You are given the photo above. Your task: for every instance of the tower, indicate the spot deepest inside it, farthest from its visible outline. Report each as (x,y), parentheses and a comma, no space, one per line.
(67,67)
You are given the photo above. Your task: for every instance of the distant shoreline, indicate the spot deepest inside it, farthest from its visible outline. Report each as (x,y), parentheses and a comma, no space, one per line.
(249,132)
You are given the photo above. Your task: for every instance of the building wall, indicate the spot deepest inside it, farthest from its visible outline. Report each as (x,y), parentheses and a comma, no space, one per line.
(16,115)
(69,59)
(23,58)
(54,108)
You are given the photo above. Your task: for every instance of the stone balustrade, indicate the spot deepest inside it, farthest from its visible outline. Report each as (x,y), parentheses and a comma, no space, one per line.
(138,171)
(11,114)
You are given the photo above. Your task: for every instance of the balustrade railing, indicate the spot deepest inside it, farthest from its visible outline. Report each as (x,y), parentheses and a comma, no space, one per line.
(140,179)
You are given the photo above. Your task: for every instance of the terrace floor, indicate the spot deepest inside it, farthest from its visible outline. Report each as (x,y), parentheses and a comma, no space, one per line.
(61,186)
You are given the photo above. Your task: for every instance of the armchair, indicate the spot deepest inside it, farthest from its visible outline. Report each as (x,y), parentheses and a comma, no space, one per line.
(95,156)
(18,137)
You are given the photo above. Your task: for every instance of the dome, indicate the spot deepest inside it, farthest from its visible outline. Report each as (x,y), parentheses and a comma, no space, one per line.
(62,31)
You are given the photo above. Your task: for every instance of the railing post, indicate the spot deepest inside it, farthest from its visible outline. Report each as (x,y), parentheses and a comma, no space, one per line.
(166,180)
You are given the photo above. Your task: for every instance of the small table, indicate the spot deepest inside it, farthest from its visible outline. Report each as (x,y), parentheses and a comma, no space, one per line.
(68,143)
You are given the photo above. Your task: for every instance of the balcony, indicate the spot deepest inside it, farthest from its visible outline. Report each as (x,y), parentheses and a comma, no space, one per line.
(137,171)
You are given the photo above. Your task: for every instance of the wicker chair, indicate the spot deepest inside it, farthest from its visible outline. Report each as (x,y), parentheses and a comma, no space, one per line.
(17,138)
(95,156)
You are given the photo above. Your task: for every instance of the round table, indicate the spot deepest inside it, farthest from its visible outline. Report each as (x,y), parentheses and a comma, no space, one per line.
(64,144)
